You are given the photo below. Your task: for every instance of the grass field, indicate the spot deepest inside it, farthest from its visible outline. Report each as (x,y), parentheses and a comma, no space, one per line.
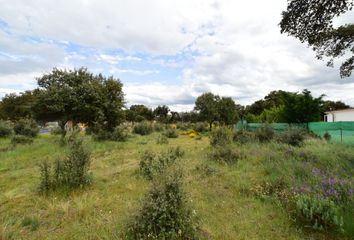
(222,198)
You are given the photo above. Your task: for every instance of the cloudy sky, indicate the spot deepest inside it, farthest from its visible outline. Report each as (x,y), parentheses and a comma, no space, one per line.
(164,51)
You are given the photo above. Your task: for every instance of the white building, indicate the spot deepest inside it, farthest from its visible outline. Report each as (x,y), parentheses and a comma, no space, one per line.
(345,115)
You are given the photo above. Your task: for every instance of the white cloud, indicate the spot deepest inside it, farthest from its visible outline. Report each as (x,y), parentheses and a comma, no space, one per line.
(232,48)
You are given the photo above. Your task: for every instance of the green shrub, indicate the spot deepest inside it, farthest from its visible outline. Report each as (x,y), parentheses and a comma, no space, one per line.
(56,131)
(161,139)
(243,136)
(200,127)
(265,133)
(184,126)
(20,139)
(26,127)
(171,133)
(147,164)
(143,128)
(152,164)
(319,213)
(292,136)
(71,172)
(5,129)
(158,127)
(164,213)
(224,154)
(221,136)
(327,136)
(120,134)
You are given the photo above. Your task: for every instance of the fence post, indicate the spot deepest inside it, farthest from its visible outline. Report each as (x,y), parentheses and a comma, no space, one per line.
(341,135)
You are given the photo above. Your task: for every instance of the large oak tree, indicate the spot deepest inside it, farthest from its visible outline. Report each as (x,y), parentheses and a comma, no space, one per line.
(80,96)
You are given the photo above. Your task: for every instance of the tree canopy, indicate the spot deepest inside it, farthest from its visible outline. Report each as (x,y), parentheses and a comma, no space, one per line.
(138,113)
(161,113)
(212,108)
(311,21)
(17,106)
(80,96)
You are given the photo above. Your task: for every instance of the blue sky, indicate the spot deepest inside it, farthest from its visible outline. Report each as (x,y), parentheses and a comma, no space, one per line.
(164,51)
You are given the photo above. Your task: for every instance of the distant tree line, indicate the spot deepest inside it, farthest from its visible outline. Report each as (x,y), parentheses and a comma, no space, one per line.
(82,97)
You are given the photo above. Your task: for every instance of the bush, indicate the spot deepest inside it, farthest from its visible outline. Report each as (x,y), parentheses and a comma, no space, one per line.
(19,139)
(320,213)
(184,126)
(120,134)
(243,136)
(161,139)
(224,154)
(164,213)
(143,128)
(171,133)
(26,127)
(158,127)
(56,131)
(200,127)
(152,164)
(264,134)
(5,129)
(221,136)
(327,136)
(71,172)
(292,136)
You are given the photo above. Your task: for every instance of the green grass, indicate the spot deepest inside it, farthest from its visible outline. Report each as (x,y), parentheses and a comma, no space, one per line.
(221,199)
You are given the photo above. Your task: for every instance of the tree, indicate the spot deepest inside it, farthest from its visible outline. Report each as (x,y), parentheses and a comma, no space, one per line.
(227,111)
(302,108)
(311,21)
(191,116)
(17,106)
(161,113)
(80,96)
(175,117)
(207,106)
(139,113)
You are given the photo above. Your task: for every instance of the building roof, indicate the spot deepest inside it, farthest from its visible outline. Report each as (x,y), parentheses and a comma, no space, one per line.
(341,110)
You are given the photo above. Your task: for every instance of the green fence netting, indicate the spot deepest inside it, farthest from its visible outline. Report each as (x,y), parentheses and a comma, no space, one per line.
(339,131)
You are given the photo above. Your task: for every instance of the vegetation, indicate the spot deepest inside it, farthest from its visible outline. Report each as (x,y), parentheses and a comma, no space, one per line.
(81,97)
(164,213)
(143,128)
(227,198)
(212,108)
(5,129)
(293,185)
(26,127)
(70,172)
(312,22)
(221,137)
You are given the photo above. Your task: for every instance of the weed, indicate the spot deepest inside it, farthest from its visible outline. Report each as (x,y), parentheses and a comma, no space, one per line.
(20,139)
(161,139)
(292,136)
(264,134)
(225,154)
(32,222)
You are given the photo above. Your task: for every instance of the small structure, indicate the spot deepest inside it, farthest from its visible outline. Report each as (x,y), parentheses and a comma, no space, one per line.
(344,115)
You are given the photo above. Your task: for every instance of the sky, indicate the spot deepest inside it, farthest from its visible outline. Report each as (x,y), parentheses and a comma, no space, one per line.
(164,51)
